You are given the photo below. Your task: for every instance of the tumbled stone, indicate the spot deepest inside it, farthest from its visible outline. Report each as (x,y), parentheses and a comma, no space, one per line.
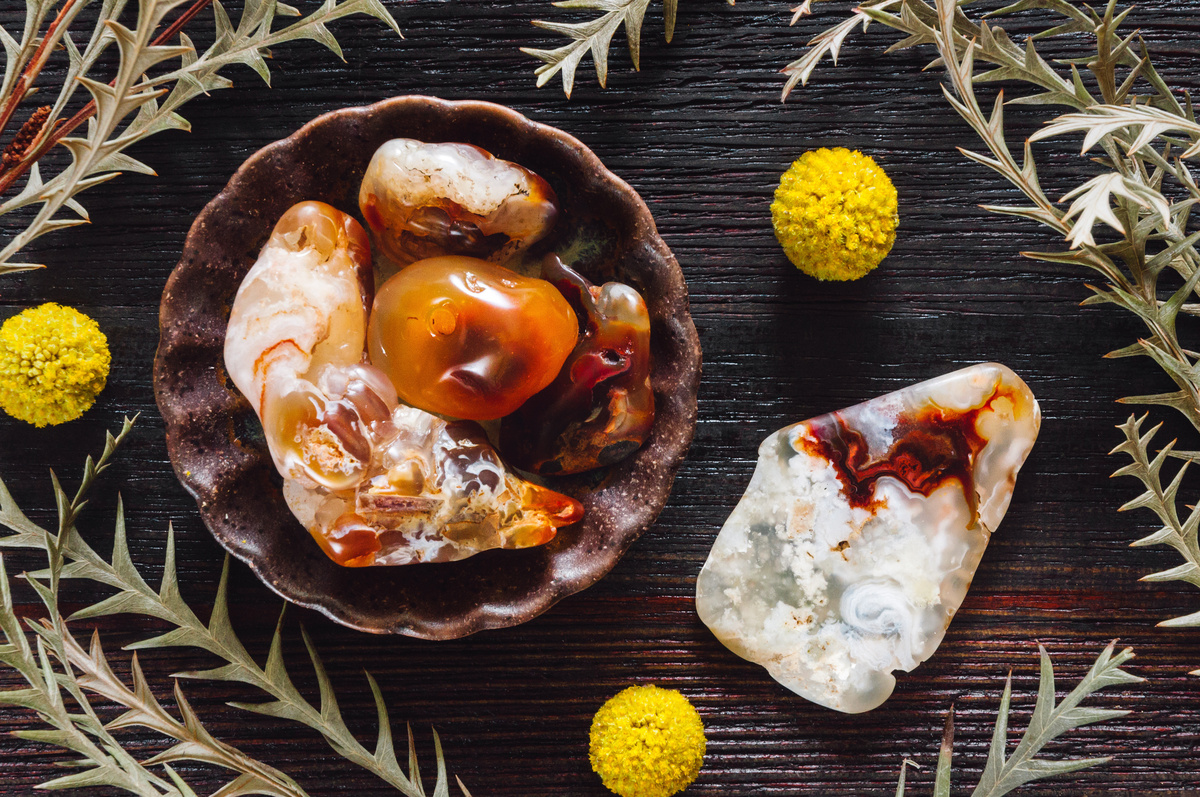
(859,534)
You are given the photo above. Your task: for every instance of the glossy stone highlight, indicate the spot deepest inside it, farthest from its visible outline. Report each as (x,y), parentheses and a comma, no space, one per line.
(299,316)
(463,337)
(230,472)
(373,482)
(436,492)
(859,534)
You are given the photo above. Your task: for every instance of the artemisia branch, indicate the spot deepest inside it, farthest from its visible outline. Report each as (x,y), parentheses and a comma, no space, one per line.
(61,130)
(34,67)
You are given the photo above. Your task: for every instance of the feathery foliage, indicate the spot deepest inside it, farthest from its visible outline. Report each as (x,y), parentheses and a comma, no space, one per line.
(60,670)
(1003,773)
(1148,141)
(1164,502)
(595,36)
(159,70)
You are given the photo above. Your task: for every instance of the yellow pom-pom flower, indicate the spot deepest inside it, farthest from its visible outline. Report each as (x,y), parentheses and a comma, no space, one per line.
(53,363)
(835,214)
(647,742)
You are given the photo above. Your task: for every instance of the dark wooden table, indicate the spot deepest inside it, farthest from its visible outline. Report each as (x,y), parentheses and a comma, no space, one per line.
(700,133)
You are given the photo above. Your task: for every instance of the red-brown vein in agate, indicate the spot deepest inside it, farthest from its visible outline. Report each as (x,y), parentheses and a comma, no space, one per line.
(931,446)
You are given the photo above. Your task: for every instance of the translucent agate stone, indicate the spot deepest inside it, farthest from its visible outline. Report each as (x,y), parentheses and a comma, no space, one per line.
(860,531)
(469,339)
(300,316)
(422,200)
(600,407)
(436,492)
(372,481)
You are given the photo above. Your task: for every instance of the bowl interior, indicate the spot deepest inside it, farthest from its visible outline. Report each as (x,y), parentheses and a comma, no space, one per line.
(215,440)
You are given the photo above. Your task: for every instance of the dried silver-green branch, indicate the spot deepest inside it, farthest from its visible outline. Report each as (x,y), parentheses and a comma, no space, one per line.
(159,70)
(83,671)
(101,759)
(1148,141)
(1003,773)
(1164,502)
(595,36)
(104,761)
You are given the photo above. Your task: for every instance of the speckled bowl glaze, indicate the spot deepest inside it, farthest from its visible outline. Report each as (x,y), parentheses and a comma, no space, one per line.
(216,443)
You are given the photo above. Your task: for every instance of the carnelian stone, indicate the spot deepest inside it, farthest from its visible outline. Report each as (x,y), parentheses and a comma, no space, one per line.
(469,339)
(600,407)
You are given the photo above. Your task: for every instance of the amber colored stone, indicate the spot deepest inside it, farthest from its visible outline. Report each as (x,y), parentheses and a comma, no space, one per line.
(438,492)
(326,229)
(350,543)
(600,407)
(469,339)
(426,199)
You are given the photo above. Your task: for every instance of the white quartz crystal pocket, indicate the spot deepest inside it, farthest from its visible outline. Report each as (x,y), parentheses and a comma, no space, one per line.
(859,534)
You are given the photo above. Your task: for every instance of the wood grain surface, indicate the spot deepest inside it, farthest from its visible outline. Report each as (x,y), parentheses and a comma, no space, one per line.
(700,133)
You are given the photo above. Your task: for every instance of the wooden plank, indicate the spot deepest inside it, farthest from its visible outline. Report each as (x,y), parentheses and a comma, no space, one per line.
(701,135)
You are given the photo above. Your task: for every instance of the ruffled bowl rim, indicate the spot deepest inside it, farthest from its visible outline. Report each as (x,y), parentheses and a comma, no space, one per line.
(194,398)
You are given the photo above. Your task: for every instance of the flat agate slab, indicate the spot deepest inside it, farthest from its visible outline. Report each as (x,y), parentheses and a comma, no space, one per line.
(859,534)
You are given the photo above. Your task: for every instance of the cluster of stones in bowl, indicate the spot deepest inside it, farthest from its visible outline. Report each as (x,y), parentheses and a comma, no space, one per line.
(371,401)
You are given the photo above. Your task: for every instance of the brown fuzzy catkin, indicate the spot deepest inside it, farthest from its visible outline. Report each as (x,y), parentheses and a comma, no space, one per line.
(21,142)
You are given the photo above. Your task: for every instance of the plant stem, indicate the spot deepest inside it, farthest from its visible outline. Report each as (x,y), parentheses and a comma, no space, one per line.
(177,25)
(63,129)
(34,67)
(94,674)
(960,72)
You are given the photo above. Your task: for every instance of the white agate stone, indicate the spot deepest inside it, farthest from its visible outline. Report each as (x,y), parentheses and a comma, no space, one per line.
(423,200)
(859,534)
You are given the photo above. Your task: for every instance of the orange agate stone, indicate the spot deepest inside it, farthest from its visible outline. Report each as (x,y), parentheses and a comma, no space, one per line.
(600,407)
(469,339)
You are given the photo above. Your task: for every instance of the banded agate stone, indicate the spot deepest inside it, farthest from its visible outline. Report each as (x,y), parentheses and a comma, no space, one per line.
(857,538)
(423,199)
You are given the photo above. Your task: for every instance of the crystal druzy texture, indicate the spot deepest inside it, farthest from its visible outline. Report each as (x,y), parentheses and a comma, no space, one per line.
(859,534)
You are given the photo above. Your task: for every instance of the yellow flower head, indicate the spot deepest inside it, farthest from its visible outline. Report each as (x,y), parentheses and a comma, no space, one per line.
(647,742)
(835,214)
(53,363)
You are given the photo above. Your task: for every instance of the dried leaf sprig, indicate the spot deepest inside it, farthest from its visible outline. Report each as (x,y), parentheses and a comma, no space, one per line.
(595,36)
(80,672)
(1148,141)
(155,77)
(1003,772)
(104,761)
(1177,531)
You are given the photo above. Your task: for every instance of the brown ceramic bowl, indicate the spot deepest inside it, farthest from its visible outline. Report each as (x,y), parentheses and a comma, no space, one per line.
(216,442)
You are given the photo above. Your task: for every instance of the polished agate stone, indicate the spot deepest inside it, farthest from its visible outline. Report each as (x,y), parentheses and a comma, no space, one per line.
(423,200)
(437,492)
(374,482)
(299,315)
(600,407)
(469,339)
(860,531)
